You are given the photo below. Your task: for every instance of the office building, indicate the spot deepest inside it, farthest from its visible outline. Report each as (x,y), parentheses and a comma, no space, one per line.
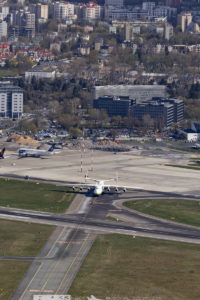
(114,106)
(11,100)
(138,92)
(115,3)
(163,111)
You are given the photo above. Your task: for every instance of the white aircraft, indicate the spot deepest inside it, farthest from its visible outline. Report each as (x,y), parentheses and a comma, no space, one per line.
(25,152)
(99,187)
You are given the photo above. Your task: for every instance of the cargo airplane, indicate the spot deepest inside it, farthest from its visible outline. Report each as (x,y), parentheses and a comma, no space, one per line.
(99,187)
(25,152)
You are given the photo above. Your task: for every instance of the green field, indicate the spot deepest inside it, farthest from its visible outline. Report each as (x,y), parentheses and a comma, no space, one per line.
(183,211)
(18,239)
(121,266)
(34,195)
(192,167)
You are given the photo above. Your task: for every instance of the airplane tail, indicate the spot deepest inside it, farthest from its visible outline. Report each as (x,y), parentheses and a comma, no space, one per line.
(2,152)
(97,180)
(52,148)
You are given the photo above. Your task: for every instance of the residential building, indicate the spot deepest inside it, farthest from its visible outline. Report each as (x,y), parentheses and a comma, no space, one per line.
(43,71)
(184,19)
(42,11)
(11,100)
(3,29)
(23,24)
(169,31)
(29,25)
(127,14)
(62,10)
(114,106)
(4,12)
(91,11)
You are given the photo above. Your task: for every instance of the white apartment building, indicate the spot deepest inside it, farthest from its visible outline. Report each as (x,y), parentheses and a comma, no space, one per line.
(3,29)
(17,104)
(42,11)
(63,10)
(91,11)
(184,19)
(11,100)
(4,11)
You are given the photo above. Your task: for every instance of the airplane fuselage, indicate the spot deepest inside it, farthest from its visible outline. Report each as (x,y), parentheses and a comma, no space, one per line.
(33,152)
(99,188)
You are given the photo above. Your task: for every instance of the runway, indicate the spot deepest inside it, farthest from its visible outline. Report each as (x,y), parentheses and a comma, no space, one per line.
(54,269)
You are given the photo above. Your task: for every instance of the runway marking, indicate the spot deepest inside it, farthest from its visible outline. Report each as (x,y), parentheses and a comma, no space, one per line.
(70,266)
(103,203)
(73,243)
(41,291)
(26,289)
(76,229)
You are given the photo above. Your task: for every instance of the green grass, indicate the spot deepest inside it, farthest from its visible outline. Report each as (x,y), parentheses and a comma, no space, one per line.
(179,210)
(192,167)
(11,273)
(9,72)
(34,195)
(185,149)
(18,239)
(122,266)
(22,239)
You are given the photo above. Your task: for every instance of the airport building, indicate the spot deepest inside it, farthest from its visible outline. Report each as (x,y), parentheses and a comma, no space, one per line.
(161,110)
(115,106)
(138,92)
(165,111)
(11,100)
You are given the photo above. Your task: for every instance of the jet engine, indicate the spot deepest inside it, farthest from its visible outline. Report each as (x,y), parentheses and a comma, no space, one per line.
(116,189)
(124,190)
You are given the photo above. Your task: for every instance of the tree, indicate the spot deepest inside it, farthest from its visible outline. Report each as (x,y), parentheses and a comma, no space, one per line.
(93,57)
(75,132)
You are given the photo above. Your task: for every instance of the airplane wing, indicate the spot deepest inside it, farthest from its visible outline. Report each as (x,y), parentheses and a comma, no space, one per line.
(116,186)
(78,185)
